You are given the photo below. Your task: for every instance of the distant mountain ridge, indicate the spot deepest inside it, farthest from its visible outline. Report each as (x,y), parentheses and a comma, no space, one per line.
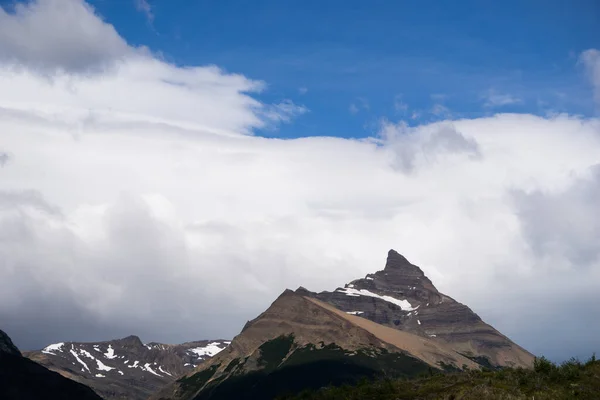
(23,379)
(391,323)
(125,368)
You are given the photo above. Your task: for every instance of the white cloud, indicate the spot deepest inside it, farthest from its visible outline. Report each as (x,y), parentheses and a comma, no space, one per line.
(493,99)
(303,90)
(134,202)
(55,35)
(591,59)
(353,108)
(145,7)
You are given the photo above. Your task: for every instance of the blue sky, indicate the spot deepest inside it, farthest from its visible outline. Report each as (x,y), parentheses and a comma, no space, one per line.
(352,63)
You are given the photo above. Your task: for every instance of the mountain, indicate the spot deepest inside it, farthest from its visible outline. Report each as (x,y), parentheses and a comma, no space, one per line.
(393,323)
(402,297)
(23,379)
(125,368)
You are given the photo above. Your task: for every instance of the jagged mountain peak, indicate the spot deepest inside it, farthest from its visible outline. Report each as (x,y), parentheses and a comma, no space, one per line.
(371,327)
(131,340)
(397,263)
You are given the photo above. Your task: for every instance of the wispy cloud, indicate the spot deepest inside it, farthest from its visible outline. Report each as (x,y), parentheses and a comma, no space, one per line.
(440,110)
(591,60)
(494,99)
(399,105)
(144,7)
(303,90)
(360,104)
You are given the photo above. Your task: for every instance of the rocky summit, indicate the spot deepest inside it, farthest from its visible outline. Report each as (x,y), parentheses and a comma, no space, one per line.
(402,297)
(125,368)
(23,379)
(392,323)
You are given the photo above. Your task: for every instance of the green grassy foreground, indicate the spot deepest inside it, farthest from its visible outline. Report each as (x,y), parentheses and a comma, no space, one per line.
(546,381)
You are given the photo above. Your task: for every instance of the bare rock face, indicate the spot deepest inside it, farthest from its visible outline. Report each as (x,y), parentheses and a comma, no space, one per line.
(125,368)
(23,379)
(299,343)
(402,297)
(390,323)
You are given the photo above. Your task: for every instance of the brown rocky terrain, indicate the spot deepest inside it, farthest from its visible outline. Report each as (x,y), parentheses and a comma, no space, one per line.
(125,368)
(391,323)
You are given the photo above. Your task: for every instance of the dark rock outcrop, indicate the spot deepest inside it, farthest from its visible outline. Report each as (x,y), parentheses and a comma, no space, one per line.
(23,379)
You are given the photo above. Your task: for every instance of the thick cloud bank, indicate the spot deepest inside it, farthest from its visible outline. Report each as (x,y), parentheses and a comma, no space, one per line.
(133,201)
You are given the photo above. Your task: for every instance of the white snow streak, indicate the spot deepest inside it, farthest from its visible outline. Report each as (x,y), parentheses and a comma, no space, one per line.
(100,376)
(355,312)
(163,371)
(53,347)
(403,304)
(147,368)
(78,359)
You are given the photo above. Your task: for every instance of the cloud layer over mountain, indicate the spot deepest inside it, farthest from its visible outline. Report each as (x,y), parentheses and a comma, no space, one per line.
(134,199)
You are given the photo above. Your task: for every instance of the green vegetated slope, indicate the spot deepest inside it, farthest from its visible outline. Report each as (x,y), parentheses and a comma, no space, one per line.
(306,367)
(547,381)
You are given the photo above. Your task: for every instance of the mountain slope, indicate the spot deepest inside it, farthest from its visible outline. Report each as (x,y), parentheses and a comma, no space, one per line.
(301,343)
(125,368)
(402,297)
(391,323)
(23,379)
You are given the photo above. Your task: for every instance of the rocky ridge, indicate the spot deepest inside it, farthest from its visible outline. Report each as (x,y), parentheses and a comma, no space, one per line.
(390,323)
(125,368)
(402,297)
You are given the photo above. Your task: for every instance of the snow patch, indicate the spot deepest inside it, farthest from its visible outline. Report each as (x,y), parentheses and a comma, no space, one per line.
(103,367)
(134,365)
(53,347)
(163,371)
(210,350)
(403,304)
(100,376)
(432,335)
(419,322)
(355,312)
(121,372)
(110,353)
(369,278)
